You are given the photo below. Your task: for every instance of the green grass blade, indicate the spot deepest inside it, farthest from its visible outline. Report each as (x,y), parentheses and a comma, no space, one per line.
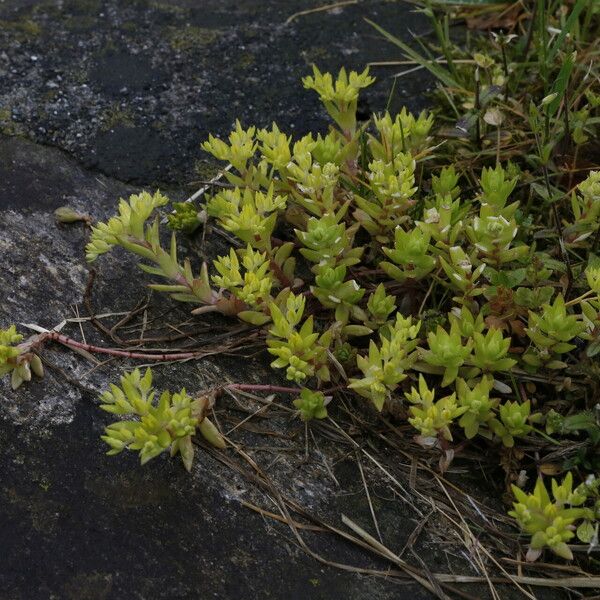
(434,68)
(561,82)
(571,20)
(464,2)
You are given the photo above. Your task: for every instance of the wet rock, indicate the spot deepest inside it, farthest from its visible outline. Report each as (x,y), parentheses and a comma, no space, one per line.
(129,153)
(182,70)
(119,73)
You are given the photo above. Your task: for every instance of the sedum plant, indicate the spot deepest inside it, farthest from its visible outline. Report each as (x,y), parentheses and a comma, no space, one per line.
(432,418)
(311,405)
(163,423)
(386,365)
(130,230)
(340,97)
(368,264)
(551,331)
(250,215)
(514,420)
(551,520)
(185,217)
(302,352)
(446,350)
(479,407)
(16,360)
(410,256)
(585,206)
(490,351)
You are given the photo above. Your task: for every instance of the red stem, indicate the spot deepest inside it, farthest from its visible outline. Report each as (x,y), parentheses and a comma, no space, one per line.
(251,387)
(283,279)
(165,356)
(71,343)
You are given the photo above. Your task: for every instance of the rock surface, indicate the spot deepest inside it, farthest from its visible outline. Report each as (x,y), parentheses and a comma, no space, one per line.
(130,87)
(75,523)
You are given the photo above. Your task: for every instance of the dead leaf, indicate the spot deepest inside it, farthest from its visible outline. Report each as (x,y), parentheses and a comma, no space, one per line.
(550,469)
(494,322)
(496,18)
(518,327)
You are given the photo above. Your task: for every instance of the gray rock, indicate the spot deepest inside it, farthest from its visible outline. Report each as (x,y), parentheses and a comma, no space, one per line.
(77,524)
(143,82)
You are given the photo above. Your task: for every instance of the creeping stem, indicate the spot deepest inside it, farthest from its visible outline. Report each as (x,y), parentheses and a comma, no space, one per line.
(71,343)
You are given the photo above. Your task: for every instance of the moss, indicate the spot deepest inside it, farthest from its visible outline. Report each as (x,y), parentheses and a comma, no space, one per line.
(88,586)
(10,130)
(79,76)
(167,8)
(24,28)
(80,22)
(7,125)
(252,33)
(83,6)
(42,512)
(129,26)
(129,490)
(205,169)
(114,116)
(50,95)
(108,48)
(315,55)
(246,60)
(191,37)
(46,9)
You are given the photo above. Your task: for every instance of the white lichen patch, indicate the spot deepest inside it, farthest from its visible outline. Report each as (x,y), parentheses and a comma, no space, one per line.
(36,410)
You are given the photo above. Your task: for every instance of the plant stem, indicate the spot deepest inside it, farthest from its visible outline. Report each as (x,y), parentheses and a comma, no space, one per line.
(259,387)
(255,387)
(542,43)
(281,276)
(442,36)
(559,230)
(580,298)
(71,343)
(596,241)
(567,141)
(530,32)
(498,146)
(587,20)
(505,67)
(477,109)
(546,436)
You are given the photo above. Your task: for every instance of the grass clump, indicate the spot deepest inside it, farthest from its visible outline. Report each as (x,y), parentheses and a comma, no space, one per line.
(521,89)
